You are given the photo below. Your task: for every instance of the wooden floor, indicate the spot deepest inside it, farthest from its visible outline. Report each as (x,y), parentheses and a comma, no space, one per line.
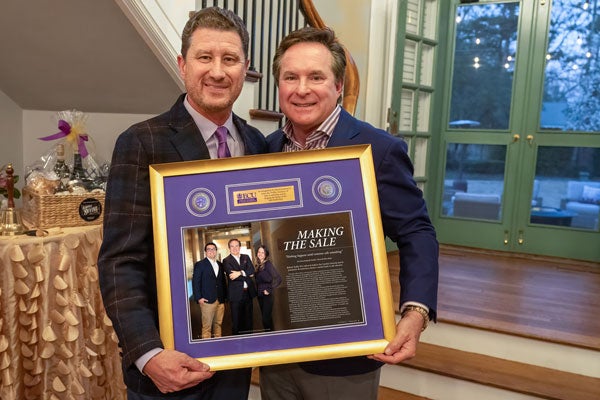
(550,299)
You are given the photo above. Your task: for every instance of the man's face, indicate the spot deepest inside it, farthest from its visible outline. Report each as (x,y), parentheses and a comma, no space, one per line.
(234,248)
(308,91)
(213,72)
(211,252)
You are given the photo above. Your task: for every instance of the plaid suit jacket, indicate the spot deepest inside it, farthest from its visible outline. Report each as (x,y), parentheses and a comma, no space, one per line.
(126,259)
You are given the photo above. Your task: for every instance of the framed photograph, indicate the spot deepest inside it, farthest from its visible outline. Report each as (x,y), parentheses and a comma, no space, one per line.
(317,213)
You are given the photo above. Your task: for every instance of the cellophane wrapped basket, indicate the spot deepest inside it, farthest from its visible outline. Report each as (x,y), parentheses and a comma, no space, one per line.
(65,186)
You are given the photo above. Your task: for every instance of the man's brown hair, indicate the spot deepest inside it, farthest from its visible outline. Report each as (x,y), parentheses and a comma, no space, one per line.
(313,35)
(214,18)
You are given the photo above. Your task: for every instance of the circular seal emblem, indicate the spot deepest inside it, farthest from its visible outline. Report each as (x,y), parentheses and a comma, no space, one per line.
(200,202)
(326,189)
(90,209)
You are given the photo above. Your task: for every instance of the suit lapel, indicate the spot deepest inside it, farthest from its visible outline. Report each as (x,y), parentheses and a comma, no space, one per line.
(189,144)
(186,137)
(345,130)
(240,124)
(235,262)
(276,142)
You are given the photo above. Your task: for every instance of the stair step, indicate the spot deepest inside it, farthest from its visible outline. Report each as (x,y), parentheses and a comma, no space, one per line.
(386,393)
(518,377)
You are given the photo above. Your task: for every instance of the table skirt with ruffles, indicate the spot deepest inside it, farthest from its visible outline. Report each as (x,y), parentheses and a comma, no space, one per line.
(56,341)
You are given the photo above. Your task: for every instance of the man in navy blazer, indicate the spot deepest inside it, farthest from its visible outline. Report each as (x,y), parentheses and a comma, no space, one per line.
(209,288)
(309,70)
(213,63)
(241,291)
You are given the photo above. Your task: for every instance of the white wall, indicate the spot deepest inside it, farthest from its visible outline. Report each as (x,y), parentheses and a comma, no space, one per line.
(178,12)
(382,42)
(351,19)
(11,145)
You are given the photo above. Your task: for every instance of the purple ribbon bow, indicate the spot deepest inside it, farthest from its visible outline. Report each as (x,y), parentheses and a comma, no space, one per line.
(65,130)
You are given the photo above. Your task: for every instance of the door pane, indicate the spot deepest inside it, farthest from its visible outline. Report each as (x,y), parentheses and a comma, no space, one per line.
(484,56)
(566,189)
(430,20)
(409,72)
(572,75)
(406,110)
(413,17)
(474,181)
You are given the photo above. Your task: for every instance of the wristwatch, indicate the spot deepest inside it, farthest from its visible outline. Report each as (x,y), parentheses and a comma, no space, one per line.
(421,311)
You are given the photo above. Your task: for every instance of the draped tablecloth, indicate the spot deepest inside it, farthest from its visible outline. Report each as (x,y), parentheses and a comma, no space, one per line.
(56,341)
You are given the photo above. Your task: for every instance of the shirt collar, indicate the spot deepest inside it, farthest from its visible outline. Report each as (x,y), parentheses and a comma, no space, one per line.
(206,126)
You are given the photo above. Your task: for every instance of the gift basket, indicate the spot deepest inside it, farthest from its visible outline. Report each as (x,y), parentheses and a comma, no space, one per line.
(66,186)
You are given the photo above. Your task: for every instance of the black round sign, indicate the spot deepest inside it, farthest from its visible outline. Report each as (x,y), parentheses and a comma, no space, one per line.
(90,209)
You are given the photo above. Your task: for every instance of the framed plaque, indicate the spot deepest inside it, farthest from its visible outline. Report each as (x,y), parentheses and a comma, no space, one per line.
(318,214)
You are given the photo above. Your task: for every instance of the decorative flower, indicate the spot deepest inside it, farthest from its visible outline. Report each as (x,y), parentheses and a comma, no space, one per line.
(3,185)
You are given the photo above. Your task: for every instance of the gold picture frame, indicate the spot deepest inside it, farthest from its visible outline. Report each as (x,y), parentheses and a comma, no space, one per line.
(319,210)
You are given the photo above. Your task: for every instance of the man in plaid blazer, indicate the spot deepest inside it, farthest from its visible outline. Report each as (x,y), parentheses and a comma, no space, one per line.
(213,63)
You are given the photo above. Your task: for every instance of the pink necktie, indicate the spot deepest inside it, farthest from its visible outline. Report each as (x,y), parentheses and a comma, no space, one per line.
(223,149)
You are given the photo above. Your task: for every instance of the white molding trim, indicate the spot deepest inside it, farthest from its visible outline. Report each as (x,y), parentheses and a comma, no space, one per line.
(382,43)
(157,31)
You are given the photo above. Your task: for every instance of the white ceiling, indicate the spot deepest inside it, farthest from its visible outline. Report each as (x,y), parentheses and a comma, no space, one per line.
(83,54)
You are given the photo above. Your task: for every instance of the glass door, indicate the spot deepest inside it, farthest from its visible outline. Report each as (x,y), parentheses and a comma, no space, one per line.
(521,131)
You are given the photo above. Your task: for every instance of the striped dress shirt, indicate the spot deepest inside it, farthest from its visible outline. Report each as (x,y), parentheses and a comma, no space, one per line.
(317,139)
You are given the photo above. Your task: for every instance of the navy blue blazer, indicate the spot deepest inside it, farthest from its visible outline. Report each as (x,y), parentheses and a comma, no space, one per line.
(236,286)
(404,217)
(126,261)
(207,285)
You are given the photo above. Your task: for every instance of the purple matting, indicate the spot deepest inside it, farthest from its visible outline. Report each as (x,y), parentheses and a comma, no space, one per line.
(346,172)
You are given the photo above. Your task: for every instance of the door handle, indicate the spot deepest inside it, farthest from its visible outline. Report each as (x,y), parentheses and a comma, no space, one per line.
(516,137)
(520,239)
(530,139)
